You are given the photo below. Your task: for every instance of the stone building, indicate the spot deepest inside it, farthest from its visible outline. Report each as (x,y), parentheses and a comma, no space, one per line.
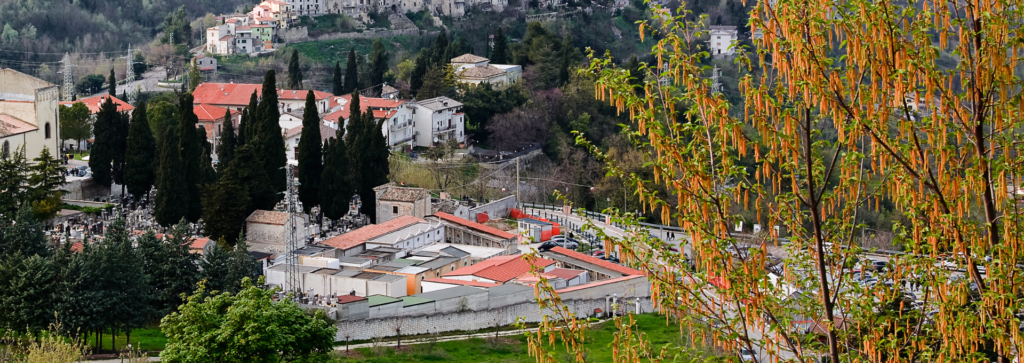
(266,231)
(473,69)
(394,201)
(28,114)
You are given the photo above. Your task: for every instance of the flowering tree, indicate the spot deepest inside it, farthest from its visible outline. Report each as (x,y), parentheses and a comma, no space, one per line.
(846,105)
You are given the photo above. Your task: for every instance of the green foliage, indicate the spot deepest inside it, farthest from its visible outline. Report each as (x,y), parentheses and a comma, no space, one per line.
(13,176)
(195,77)
(225,207)
(162,113)
(140,154)
(123,284)
(310,156)
(171,268)
(178,26)
(500,53)
(228,141)
(27,284)
(171,197)
(105,147)
(379,58)
(438,81)
(265,135)
(224,269)
(247,327)
(191,150)
(351,72)
(482,102)
(75,123)
(112,84)
(294,71)
(337,86)
(90,84)
(246,170)
(44,182)
(88,210)
(336,185)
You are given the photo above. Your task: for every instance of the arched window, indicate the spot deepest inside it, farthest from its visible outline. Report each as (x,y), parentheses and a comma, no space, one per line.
(7,149)
(47,130)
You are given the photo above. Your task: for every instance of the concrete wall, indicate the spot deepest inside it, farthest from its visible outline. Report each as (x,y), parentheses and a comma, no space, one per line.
(496,209)
(303,35)
(294,34)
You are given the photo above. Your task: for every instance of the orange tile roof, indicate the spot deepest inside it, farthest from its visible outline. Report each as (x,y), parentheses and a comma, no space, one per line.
(566,273)
(14,126)
(596,261)
(233,94)
(267,217)
(598,283)
(475,226)
(93,103)
(502,268)
(198,243)
(461,282)
(284,94)
(211,113)
(361,235)
(345,299)
(365,103)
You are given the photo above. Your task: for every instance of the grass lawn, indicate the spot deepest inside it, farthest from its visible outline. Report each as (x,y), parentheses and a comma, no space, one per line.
(329,51)
(82,155)
(512,349)
(146,339)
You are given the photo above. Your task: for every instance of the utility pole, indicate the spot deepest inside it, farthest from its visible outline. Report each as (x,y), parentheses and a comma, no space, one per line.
(69,86)
(292,283)
(130,77)
(716,87)
(518,201)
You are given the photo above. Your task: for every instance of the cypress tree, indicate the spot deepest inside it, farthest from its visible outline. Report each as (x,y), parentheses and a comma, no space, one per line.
(207,174)
(336,186)
(268,142)
(439,50)
(294,71)
(119,148)
(242,121)
(378,65)
(376,165)
(226,147)
(351,72)
(103,149)
(310,158)
(420,69)
(337,87)
(171,201)
(245,170)
(140,154)
(563,72)
(225,208)
(355,119)
(191,149)
(112,87)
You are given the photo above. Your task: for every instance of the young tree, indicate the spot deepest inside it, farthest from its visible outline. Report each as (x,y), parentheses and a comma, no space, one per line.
(195,77)
(140,155)
(45,179)
(171,191)
(337,86)
(310,155)
(336,185)
(226,148)
(191,148)
(294,71)
(225,208)
(500,53)
(351,72)
(13,178)
(379,58)
(75,123)
(244,318)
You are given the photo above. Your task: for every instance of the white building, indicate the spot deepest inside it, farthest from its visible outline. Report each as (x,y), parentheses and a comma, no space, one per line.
(474,69)
(722,38)
(292,136)
(438,120)
(28,114)
(398,126)
(410,237)
(307,7)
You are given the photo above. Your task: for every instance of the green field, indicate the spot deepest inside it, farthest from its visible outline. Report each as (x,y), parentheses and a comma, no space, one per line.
(513,349)
(329,51)
(148,339)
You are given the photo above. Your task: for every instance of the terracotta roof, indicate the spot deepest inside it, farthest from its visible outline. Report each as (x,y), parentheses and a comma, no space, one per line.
(365,103)
(284,94)
(77,247)
(461,282)
(337,117)
(345,299)
(361,235)
(469,58)
(211,113)
(480,72)
(402,194)
(384,114)
(198,243)
(598,283)
(263,18)
(93,103)
(226,37)
(475,226)
(234,94)
(326,132)
(565,273)
(13,126)
(596,261)
(243,28)
(267,217)
(502,268)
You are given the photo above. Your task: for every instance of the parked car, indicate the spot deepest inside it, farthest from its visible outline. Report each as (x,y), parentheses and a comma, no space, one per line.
(567,244)
(597,253)
(746,355)
(879,266)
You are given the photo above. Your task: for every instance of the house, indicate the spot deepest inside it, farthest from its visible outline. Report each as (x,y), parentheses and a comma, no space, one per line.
(409,237)
(438,120)
(275,11)
(266,231)
(476,253)
(201,245)
(398,126)
(205,63)
(233,96)
(721,39)
(295,100)
(307,7)
(465,232)
(502,269)
(292,136)
(537,229)
(28,114)
(94,104)
(597,268)
(211,118)
(474,69)
(356,9)
(394,201)
(353,243)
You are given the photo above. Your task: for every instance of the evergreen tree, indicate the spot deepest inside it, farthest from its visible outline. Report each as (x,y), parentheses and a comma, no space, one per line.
(378,65)
(224,268)
(337,87)
(267,140)
(355,119)
(171,197)
(336,186)
(547,64)
(245,170)
(45,179)
(13,178)
(104,147)
(27,286)
(191,148)
(140,154)
(206,172)
(567,53)
(77,306)
(294,71)
(225,208)
(127,285)
(112,86)
(119,145)
(375,164)
(500,53)
(242,122)
(418,71)
(24,236)
(309,155)
(439,53)
(439,81)
(351,72)
(171,268)
(226,148)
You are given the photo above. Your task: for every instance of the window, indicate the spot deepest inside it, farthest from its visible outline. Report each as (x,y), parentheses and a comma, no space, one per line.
(394,209)
(47,130)
(7,149)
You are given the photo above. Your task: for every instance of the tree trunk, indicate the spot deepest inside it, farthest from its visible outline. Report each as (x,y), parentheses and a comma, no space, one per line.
(113,340)
(128,337)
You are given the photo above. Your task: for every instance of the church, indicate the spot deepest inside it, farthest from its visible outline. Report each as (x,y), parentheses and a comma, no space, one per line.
(28,114)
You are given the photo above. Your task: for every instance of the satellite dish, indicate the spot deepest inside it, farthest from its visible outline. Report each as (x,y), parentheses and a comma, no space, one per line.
(435,139)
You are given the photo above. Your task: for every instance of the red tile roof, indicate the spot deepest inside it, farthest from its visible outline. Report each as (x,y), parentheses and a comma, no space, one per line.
(361,235)
(598,283)
(565,273)
(596,261)
(211,113)
(11,125)
(93,103)
(285,94)
(502,268)
(199,243)
(475,226)
(232,94)
(226,37)
(461,282)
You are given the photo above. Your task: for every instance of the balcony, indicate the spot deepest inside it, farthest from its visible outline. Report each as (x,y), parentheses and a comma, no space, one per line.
(401,126)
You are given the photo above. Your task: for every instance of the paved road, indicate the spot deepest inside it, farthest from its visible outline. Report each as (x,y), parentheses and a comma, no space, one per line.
(146,84)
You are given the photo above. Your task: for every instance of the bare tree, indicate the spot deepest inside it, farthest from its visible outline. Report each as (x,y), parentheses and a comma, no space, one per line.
(521,125)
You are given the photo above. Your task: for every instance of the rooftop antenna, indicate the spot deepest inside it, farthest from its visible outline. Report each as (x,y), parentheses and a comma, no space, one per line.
(68,91)
(292,283)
